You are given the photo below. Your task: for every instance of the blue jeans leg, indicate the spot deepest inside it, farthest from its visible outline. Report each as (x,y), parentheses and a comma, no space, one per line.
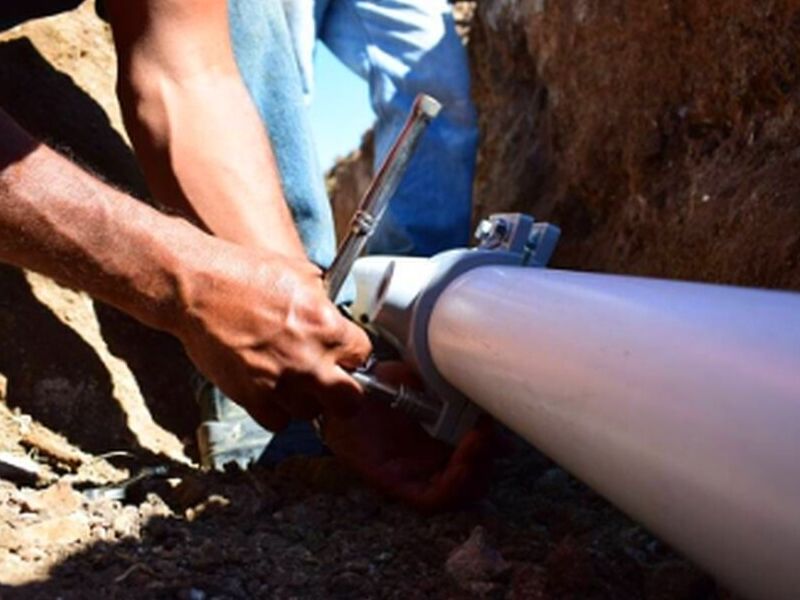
(402,48)
(261,35)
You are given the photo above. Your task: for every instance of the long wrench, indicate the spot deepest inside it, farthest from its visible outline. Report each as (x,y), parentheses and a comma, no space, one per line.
(373,205)
(364,223)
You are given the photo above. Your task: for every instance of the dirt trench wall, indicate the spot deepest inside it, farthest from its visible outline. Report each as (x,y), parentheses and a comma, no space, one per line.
(664,138)
(70,363)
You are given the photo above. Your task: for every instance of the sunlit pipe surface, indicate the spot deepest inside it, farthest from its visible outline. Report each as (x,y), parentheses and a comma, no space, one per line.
(679,402)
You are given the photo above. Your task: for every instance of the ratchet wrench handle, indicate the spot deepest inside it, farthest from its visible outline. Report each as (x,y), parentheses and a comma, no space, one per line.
(373,205)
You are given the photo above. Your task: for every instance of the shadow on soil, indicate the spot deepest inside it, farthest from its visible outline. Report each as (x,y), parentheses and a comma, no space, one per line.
(53,374)
(308,529)
(238,535)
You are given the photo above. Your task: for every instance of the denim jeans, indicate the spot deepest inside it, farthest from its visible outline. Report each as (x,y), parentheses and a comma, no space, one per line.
(401,48)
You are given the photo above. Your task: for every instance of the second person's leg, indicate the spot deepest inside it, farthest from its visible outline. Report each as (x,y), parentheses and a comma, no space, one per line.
(402,48)
(267,56)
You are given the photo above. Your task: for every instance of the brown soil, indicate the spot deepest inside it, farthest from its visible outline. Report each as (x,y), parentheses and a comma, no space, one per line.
(309,529)
(661,137)
(306,529)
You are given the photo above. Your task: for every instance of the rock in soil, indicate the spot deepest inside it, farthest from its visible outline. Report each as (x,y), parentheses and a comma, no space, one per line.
(475,561)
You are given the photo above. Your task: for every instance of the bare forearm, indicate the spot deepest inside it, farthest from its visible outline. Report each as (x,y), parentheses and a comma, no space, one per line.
(258,324)
(58,220)
(196,131)
(208,159)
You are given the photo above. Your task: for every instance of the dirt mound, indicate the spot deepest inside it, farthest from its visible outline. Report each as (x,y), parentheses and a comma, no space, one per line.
(310,530)
(662,138)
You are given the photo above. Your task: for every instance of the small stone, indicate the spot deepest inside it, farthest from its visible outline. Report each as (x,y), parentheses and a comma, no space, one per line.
(476,561)
(154,506)
(212,505)
(100,534)
(192,594)
(58,531)
(195,594)
(346,582)
(60,499)
(126,524)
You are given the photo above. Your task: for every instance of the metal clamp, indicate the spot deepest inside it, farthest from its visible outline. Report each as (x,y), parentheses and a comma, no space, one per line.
(404,298)
(519,233)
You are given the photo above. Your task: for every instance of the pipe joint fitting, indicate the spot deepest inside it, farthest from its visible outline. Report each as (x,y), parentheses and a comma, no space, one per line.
(396,296)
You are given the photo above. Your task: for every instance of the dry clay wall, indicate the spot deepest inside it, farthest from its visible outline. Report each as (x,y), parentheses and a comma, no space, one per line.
(663,137)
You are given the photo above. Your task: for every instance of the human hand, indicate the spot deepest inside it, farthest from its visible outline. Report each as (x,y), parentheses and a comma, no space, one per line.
(261,327)
(392,451)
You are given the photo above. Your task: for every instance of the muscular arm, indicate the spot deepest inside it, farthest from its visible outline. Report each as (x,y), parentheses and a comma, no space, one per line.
(258,324)
(56,219)
(197,134)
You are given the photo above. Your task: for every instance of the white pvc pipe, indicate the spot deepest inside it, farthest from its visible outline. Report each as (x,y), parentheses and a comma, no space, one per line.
(679,402)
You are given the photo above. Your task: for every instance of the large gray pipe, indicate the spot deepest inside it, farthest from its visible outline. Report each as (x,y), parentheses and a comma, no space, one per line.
(679,402)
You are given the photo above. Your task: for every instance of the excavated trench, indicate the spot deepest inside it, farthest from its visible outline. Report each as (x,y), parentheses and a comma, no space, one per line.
(662,138)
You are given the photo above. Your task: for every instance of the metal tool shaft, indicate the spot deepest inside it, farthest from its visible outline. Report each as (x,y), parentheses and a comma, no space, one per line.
(402,398)
(383,186)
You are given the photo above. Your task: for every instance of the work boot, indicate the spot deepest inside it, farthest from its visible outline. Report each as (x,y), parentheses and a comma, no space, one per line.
(228,434)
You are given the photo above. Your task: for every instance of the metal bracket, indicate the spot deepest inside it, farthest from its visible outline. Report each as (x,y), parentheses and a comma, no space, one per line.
(519,233)
(403,305)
